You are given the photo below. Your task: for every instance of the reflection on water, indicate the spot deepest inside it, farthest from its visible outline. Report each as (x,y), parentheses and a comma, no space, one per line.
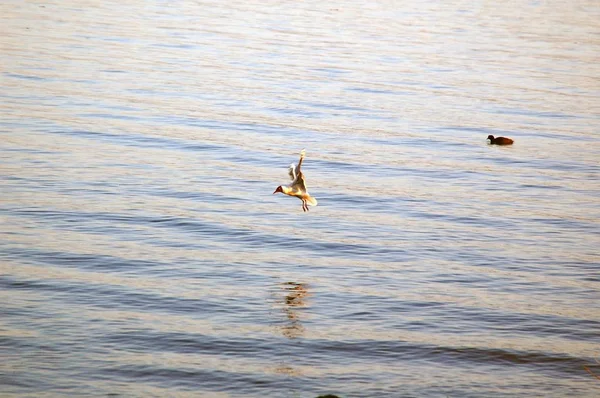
(289,300)
(295,293)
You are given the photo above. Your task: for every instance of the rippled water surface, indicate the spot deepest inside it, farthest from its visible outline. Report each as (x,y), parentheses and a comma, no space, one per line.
(142,252)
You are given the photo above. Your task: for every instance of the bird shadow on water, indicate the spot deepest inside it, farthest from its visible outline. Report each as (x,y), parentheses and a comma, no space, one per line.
(289,299)
(295,294)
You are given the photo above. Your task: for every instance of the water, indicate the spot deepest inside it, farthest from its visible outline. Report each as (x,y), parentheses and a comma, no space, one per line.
(142,253)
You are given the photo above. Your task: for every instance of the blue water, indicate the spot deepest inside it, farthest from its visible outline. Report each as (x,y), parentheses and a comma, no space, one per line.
(142,252)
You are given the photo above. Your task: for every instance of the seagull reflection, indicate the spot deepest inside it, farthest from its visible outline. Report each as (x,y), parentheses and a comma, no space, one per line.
(294,299)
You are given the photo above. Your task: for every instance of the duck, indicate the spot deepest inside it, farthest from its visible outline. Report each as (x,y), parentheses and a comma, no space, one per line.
(298,186)
(499,140)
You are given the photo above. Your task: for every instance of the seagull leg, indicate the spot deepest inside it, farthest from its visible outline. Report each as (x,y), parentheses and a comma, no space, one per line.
(304,205)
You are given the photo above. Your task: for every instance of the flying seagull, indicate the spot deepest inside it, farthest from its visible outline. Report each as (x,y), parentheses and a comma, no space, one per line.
(298,186)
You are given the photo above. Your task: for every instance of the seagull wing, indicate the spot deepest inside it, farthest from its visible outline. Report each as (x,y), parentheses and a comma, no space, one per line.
(302,152)
(299,183)
(292,172)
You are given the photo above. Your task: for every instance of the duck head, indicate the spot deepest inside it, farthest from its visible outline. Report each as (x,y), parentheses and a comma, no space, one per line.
(491,138)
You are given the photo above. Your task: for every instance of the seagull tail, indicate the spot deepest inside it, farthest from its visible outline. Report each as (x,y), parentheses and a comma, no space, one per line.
(311,201)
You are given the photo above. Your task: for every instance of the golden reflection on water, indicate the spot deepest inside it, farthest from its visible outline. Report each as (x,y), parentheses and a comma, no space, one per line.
(295,294)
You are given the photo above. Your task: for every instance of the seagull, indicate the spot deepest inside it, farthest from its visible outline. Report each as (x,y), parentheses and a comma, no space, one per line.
(499,140)
(298,187)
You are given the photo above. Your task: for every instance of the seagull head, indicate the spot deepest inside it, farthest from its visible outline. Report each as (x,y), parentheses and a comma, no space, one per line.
(278,189)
